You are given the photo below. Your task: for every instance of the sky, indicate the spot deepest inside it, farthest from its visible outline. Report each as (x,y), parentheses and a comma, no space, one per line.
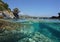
(45,8)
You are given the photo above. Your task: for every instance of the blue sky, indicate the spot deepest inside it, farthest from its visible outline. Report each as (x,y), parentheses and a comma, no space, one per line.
(36,7)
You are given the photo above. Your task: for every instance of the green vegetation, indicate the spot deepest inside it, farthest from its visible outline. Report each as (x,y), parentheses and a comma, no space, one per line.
(15,12)
(4,6)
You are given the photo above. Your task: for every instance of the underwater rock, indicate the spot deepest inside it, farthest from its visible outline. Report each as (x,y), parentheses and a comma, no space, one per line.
(8,31)
(1,28)
(18,32)
(37,37)
(10,37)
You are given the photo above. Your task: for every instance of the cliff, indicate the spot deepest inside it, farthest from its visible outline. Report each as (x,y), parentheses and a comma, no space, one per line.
(4,7)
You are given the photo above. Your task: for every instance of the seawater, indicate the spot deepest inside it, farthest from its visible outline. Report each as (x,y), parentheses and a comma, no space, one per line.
(37,31)
(50,29)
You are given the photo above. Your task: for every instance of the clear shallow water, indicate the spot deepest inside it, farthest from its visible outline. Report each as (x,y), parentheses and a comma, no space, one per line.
(41,31)
(37,31)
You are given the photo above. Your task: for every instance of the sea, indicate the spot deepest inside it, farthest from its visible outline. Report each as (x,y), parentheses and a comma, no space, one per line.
(42,30)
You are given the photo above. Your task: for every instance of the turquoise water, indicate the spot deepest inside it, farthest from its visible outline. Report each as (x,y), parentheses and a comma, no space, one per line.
(37,31)
(41,30)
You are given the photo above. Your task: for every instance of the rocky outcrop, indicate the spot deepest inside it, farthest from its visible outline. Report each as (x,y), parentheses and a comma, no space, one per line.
(9,31)
(8,14)
(5,10)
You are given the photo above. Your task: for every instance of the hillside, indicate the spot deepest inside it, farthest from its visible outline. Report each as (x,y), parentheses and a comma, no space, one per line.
(4,6)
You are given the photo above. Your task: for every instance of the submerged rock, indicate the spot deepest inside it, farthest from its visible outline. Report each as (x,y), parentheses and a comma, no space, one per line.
(37,37)
(8,31)
(20,32)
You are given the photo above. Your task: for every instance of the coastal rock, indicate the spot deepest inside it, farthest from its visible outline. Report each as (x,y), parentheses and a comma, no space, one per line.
(37,37)
(9,34)
(8,14)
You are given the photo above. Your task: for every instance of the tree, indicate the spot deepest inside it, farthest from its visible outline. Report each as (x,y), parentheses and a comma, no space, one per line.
(3,6)
(6,6)
(0,0)
(59,14)
(15,12)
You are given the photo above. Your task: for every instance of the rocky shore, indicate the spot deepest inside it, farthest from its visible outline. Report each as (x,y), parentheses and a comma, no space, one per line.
(8,31)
